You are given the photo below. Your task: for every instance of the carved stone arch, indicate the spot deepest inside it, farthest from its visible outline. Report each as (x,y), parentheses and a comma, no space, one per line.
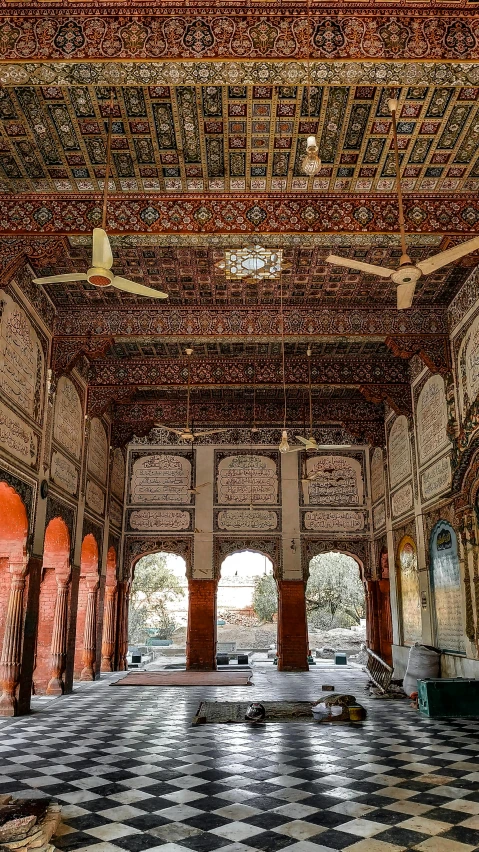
(27,495)
(140,546)
(269,547)
(357,549)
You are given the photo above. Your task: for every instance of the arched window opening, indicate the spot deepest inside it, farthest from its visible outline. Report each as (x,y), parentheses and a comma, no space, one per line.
(335,604)
(158,611)
(247,604)
(446,589)
(408,591)
(85,644)
(52,621)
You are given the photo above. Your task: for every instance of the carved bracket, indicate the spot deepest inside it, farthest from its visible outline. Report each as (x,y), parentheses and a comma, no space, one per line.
(67,352)
(398,397)
(100,398)
(433,351)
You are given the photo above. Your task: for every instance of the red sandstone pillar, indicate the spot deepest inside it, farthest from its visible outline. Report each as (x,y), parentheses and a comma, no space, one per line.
(89,639)
(292,627)
(201,639)
(59,638)
(108,641)
(12,642)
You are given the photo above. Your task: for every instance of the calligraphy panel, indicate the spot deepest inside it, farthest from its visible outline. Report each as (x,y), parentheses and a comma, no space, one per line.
(446,588)
(409,593)
(98,450)
(117,483)
(64,473)
(21,359)
(95,497)
(379,516)
(17,437)
(161,478)
(377,474)
(247,479)
(246,519)
(322,520)
(402,501)
(160,519)
(469,367)
(436,479)
(116,514)
(68,422)
(399,451)
(337,481)
(431,416)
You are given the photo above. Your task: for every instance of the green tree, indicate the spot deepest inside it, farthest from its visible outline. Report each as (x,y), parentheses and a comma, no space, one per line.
(265,597)
(334,593)
(154,587)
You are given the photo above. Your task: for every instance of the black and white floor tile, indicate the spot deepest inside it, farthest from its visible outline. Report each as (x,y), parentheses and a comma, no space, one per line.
(134,776)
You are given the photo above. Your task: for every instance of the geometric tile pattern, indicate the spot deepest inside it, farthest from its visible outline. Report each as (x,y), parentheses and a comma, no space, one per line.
(133,776)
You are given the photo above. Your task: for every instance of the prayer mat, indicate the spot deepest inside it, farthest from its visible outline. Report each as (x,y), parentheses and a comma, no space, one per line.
(183,678)
(222,712)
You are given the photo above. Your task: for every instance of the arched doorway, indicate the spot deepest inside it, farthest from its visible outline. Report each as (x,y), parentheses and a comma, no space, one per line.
(52,611)
(446,589)
(408,591)
(85,643)
(247,602)
(13,565)
(336,602)
(109,612)
(158,608)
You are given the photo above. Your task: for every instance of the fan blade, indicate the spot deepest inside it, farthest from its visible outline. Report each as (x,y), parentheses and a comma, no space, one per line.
(382,271)
(169,429)
(60,279)
(209,432)
(137,289)
(444,257)
(101,251)
(295,449)
(304,441)
(405,295)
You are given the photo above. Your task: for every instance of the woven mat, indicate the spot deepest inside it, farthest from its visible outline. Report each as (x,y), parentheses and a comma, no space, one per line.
(221,712)
(184,679)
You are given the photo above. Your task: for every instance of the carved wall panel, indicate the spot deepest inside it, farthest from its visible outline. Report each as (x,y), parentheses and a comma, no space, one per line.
(152,520)
(338,521)
(68,420)
(98,450)
(160,478)
(436,480)
(431,418)
(468,368)
(117,481)
(64,473)
(377,474)
(17,438)
(242,520)
(246,479)
(399,451)
(339,481)
(22,362)
(402,501)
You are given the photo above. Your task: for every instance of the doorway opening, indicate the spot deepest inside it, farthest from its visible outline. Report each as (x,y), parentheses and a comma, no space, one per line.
(158,612)
(335,604)
(54,591)
(247,603)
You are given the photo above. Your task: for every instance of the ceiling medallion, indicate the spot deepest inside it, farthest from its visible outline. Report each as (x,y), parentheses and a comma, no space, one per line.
(257,263)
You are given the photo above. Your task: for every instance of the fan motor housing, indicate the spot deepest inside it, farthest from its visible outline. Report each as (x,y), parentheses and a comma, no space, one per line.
(406,275)
(99,277)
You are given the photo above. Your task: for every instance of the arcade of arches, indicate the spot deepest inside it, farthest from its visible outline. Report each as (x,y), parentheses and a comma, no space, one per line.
(208,116)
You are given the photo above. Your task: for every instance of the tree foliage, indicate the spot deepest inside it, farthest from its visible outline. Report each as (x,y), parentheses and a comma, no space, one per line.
(265,597)
(334,593)
(154,587)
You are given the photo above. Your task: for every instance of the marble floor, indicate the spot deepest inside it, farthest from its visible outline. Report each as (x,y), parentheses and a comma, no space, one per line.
(133,775)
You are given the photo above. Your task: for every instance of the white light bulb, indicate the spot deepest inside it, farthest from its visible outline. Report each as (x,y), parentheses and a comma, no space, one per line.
(311,162)
(284,446)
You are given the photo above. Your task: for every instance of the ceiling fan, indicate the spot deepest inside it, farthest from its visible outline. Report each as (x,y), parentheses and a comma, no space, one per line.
(187,434)
(99,274)
(408,274)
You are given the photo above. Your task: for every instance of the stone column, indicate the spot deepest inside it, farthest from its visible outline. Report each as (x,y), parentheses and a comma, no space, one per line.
(56,685)
(108,641)
(89,638)
(292,627)
(12,642)
(201,639)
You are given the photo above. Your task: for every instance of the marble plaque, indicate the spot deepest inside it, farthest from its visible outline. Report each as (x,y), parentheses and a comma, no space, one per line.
(17,437)
(95,497)
(21,358)
(339,481)
(68,422)
(409,595)
(64,473)
(116,514)
(322,520)
(377,474)
(446,586)
(431,416)
(379,516)
(161,478)
(117,483)
(247,479)
(436,478)
(399,451)
(98,450)
(160,519)
(402,501)
(247,519)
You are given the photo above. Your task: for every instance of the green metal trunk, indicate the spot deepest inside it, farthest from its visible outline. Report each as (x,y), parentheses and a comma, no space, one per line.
(448,696)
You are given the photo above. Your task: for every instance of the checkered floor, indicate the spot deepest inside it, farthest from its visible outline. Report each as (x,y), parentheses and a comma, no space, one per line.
(132,775)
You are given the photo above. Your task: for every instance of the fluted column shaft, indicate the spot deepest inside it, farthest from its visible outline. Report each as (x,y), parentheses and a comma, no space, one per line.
(12,645)
(108,642)
(89,639)
(59,639)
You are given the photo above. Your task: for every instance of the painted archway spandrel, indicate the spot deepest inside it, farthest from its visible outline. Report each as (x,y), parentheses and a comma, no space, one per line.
(138,546)
(270,547)
(359,549)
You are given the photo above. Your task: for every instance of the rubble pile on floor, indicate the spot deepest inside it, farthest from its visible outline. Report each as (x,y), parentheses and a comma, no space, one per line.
(27,824)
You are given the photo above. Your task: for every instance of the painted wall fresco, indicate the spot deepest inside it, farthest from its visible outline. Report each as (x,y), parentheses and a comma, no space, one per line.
(64,473)
(17,437)
(399,451)
(117,482)
(160,519)
(402,501)
(431,417)
(339,483)
(408,584)
(247,479)
(377,474)
(95,497)
(436,479)
(324,520)
(161,478)
(22,364)
(242,520)
(98,450)
(379,516)
(446,588)
(68,422)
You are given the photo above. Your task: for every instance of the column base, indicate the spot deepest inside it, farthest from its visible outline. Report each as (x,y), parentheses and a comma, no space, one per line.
(292,668)
(55,687)
(8,705)
(87,674)
(106,665)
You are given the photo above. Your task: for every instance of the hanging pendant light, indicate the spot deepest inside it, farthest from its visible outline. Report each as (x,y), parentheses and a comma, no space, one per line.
(284,446)
(311,162)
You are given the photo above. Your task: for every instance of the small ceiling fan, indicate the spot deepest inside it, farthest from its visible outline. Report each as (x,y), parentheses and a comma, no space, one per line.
(408,274)
(187,434)
(99,274)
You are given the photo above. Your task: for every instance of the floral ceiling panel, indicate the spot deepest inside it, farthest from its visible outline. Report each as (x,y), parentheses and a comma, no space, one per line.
(245,138)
